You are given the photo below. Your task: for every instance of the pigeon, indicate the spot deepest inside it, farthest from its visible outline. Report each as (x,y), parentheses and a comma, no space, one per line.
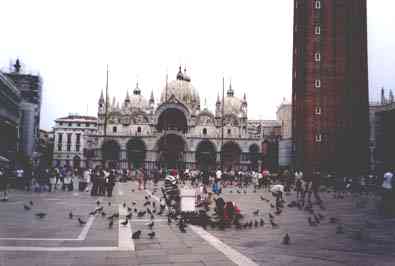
(97,202)
(129,216)
(151,235)
(317,220)
(136,235)
(110,224)
(134,203)
(41,215)
(262,198)
(141,214)
(124,223)
(116,215)
(256,223)
(147,203)
(238,191)
(311,222)
(92,212)
(273,223)
(286,240)
(129,209)
(271,205)
(81,222)
(124,205)
(103,214)
(261,222)
(31,203)
(146,197)
(278,211)
(27,208)
(109,203)
(135,210)
(100,209)
(271,216)
(339,229)
(256,212)
(71,215)
(250,224)
(150,225)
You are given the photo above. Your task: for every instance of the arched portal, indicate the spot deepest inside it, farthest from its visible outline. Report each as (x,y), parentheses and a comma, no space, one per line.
(135,152)
(77,162)
(171,151)
(172,119)
(206,155)
(230,155)
(254,156)
(110,153)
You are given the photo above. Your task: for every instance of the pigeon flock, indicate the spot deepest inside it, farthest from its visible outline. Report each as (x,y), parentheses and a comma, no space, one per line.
(207,217)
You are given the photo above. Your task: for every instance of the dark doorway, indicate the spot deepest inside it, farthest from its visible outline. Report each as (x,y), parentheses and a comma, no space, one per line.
(172,119)
(135,152)
(206,155)
(231,153)
(171,151)
(254,156)
(110,153)
(77,162)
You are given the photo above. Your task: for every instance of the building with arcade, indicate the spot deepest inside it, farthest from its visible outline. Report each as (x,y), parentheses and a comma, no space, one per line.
(177,132)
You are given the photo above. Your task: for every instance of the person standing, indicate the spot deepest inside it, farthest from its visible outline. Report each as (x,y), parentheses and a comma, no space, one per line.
(76,180)
(52,180)
(4,184)
(67,181)
(110,183)
(140,178)
(387,192)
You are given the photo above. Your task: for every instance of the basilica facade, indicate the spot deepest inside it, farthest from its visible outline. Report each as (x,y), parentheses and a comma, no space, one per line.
(177,132)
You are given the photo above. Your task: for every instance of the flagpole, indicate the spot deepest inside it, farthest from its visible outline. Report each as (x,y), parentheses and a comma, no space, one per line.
(222,124)
(105,116)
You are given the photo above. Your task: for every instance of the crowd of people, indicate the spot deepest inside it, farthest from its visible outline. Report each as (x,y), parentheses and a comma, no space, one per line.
(100,181)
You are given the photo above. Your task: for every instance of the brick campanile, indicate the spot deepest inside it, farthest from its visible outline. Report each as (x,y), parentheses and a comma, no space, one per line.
(330,86)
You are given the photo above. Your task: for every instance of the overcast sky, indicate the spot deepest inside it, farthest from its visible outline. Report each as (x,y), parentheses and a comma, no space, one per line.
(250,42)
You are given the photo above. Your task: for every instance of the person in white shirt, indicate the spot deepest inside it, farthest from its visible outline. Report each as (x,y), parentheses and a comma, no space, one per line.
(278,193)
(387,193)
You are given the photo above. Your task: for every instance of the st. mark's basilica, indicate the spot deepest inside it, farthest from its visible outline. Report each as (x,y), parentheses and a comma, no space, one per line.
(178,132)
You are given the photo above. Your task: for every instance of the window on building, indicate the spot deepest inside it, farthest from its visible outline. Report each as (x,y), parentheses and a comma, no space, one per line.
(70,124)
(60,137)
(87,124)
(318,138)
(68,147)
(79,124)
(317,57)
(139,130)
(77,147)
(114,130)
(229,131)
(78,138)
(60,123)
(317,30)
(317,4)
(318,110)
(59,147)
(204,131)
(317,83)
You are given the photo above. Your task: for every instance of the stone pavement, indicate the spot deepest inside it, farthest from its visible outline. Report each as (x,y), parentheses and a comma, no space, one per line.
(58,240)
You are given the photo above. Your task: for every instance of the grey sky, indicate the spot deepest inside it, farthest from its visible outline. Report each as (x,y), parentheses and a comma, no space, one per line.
(70,42)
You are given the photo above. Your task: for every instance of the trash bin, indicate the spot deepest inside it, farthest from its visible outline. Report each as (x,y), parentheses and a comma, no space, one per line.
(188,199)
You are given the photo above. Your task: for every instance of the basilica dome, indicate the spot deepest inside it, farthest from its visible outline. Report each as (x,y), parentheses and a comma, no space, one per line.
(183,90)
(137,101)
(233,105)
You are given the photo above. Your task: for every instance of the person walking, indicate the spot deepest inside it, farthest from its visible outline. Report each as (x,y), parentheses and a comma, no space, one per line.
(110,183)
(76,180)
(67,181)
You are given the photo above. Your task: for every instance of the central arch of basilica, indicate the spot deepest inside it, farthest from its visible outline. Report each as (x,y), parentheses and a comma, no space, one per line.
(177,132)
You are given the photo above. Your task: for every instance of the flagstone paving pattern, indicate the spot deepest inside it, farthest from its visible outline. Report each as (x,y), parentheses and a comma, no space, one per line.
(60,240)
